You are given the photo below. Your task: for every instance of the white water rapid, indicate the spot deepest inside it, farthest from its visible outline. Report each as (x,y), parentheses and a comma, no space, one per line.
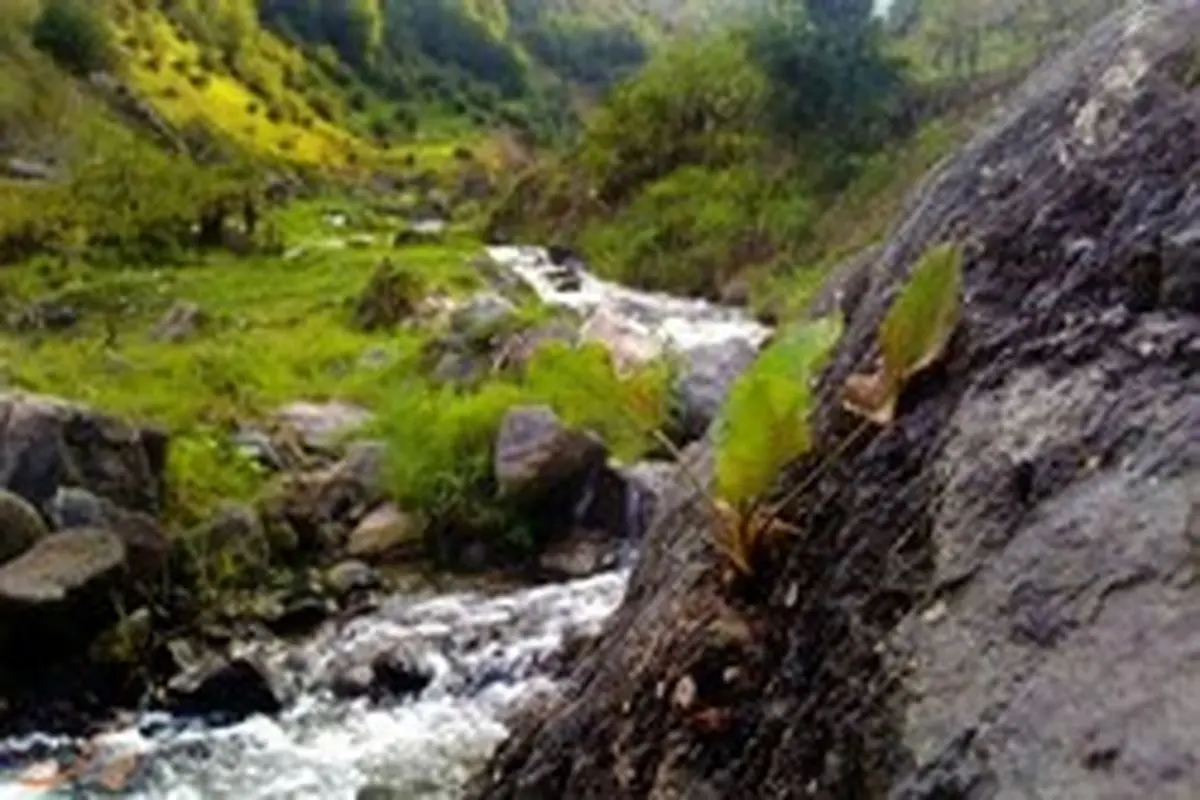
(489,653)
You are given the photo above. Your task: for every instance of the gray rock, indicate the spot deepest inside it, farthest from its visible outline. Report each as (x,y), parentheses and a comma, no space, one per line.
(647,483)
(707,374)
(258,446)
(47,315)
(21,526)
(26,169)
(349,577)
(47,443)
(386,533)
(536,454)
(462,369)
(181,322)
(323,426)
(57,596)
(231,524)
(224,688)
(482,317)
(579,555)
(147,547)
(400,672)
(354,681)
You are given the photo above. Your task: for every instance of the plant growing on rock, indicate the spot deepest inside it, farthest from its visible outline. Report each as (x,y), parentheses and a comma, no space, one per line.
(764,426)
(913,335)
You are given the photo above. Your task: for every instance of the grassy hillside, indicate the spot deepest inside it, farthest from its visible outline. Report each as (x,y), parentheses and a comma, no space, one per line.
(752,158)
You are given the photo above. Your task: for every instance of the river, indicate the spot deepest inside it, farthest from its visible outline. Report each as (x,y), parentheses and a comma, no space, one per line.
(490,653)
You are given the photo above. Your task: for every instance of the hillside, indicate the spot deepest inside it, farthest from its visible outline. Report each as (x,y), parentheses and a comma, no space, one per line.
(243,243)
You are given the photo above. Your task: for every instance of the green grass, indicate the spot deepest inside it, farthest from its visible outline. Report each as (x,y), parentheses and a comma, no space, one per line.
(279,330)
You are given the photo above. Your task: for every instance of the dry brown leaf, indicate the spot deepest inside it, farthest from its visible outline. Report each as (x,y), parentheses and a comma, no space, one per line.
(871,396)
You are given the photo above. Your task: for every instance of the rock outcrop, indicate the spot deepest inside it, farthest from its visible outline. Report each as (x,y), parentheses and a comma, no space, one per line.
(46,443)
(996,595)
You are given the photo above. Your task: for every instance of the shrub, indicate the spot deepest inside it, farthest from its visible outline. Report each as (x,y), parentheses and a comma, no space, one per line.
(583,386)
(440,451)
(75,34)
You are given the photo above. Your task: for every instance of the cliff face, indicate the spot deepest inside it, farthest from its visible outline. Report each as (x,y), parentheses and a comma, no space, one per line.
(998,596)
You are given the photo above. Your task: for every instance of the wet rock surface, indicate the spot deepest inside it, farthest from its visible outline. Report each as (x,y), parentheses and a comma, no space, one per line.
(991,597)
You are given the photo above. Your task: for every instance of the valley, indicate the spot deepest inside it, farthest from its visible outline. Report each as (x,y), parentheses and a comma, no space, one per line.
(374,374)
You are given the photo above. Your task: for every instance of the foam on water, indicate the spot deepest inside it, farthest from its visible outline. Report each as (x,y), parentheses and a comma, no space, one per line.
(489,656)
(679,323)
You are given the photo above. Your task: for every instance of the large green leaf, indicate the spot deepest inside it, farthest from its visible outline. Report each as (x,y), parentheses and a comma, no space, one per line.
(913,335)
(764,424)
(919,325)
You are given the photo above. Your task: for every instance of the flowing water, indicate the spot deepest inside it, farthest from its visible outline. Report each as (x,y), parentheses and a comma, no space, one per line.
(489,653)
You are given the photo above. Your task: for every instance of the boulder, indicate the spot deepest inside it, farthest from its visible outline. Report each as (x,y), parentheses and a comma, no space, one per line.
(536,455)
(224,688)
(560,254)
(47,443)
(299,614)
(322,426)
(422,231)
(398,673)
(706,375)
(461,368)
(350,577)
(27,169)
(58,595)
(385,533)
(630,344)
(21,526)
(579,555)
(146,546)
(482,317)
(994,596)
(181,322)
(46,315)
(315,511)
(259,447)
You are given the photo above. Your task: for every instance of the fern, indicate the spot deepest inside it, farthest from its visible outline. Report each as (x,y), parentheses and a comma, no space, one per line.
(913,335)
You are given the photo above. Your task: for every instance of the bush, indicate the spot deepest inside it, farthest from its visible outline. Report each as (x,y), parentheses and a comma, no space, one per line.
(440,452)
(695,229)
(75,34)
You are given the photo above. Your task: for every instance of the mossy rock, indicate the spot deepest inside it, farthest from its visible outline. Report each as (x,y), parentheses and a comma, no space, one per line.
(21,526)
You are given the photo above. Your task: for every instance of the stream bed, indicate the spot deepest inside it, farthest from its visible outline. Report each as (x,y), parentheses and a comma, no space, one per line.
(487,654)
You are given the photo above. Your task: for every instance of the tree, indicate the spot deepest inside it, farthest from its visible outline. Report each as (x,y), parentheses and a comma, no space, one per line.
(353,27)
(829,78)
(75,34)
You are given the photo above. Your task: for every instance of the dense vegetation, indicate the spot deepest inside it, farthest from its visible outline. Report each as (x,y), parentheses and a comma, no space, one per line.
(760,154)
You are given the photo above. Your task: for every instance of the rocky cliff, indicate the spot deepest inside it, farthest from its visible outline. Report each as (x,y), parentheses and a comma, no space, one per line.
(997,595)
